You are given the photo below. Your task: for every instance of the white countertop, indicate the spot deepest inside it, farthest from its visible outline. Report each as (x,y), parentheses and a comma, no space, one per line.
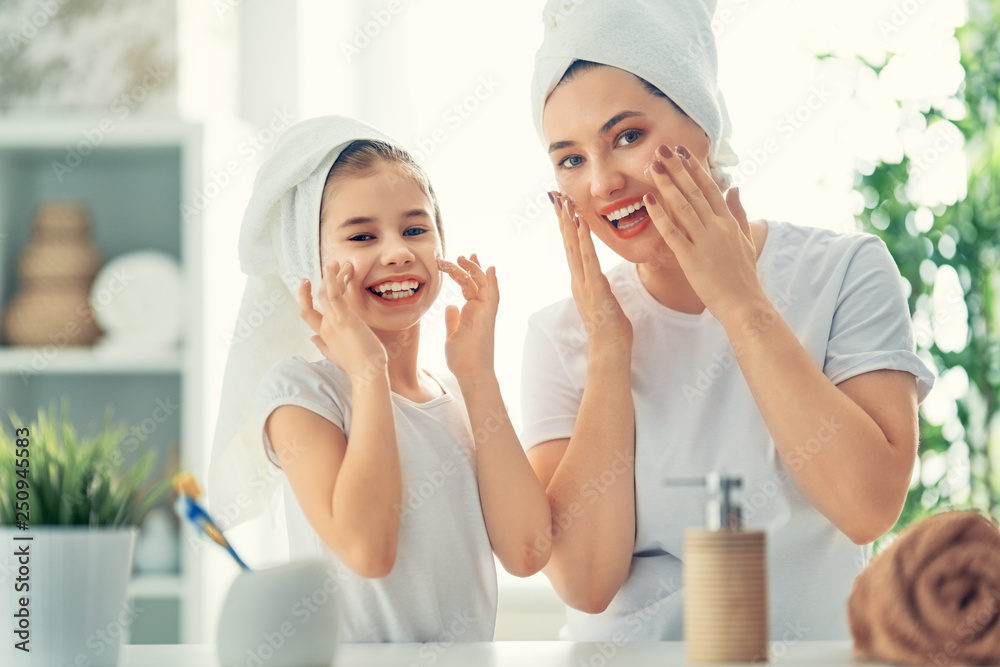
(502,654)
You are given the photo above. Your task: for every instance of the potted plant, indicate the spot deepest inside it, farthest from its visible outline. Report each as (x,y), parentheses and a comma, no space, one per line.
(69,513)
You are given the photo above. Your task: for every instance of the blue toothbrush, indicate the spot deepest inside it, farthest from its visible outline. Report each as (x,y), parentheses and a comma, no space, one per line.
(187,507)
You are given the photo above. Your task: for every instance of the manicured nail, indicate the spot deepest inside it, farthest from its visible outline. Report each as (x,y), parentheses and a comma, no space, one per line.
(551,199)
(648,200)
(305,281)
(665,151)
(683,152)
(576,219)
(659,168)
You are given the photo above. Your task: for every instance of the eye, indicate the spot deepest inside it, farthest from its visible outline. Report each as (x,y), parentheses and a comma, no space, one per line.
(361,237)
(628,137)
(569,162)
(415,231)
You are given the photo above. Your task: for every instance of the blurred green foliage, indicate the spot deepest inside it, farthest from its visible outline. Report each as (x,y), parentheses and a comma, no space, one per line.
(966,237)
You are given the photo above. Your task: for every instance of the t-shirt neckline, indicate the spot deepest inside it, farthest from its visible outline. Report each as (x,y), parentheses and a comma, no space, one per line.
(443,398)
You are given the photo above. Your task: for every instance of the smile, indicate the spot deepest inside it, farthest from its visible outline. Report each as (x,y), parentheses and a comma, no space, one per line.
(628,218)
(396,291)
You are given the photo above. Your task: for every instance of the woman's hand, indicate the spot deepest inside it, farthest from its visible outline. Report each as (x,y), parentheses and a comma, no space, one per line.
(709,235)
(341,335)
(602,315)
(469,345)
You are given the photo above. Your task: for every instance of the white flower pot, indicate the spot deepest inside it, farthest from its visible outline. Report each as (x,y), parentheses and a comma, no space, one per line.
(76,607)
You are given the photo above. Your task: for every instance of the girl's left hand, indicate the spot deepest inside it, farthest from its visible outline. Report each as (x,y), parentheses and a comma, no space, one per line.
(469,345)
(709,235)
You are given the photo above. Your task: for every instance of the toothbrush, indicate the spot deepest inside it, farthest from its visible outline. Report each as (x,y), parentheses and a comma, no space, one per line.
(187,507)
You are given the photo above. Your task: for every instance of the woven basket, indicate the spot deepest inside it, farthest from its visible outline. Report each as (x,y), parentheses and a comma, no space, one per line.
(56,270)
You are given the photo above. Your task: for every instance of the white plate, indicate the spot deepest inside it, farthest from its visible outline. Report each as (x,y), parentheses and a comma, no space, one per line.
(136,299)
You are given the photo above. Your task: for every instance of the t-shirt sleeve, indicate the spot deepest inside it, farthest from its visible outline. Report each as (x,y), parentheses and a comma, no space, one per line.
(296,382)
(871,328)
(550,401)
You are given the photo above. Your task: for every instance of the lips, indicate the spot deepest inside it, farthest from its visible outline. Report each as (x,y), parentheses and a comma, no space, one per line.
(628,217)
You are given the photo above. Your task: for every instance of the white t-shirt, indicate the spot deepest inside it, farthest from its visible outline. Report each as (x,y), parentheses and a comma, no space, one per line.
(694,413)
(443,586)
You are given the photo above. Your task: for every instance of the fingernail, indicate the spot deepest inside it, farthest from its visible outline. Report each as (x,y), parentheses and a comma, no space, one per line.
(683,152)
(551,198)
(305,281)
(576,219)
(658,168)
(648,200)
(737,191)
(665,151)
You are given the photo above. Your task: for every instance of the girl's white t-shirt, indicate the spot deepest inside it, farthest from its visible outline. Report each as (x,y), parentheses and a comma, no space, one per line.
(443,586)
(841,295)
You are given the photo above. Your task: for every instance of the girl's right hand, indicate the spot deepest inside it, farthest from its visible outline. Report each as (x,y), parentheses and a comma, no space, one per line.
(603,317)
(342,336)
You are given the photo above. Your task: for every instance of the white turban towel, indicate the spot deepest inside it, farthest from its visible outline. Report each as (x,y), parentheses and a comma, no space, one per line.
(669,43)
(278,247)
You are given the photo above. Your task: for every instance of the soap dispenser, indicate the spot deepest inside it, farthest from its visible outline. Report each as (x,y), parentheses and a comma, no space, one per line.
(725,581)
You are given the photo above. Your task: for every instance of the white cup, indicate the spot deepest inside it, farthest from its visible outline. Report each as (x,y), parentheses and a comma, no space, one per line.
(280,617)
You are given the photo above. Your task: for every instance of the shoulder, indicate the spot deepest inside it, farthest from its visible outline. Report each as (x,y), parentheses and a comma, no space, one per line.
(554,317)
(296,376)
(817,241)
(562,315)
(812,253)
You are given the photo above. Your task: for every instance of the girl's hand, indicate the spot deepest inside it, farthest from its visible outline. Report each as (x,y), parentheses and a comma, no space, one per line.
(709,235)
(342,336)
(602,315)
(469,345)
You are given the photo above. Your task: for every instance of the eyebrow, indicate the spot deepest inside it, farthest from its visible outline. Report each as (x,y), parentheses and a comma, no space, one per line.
(614,120)
(364,220)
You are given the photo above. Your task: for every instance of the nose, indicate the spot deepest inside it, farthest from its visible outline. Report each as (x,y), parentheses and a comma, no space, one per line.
(396,251)
(605,178)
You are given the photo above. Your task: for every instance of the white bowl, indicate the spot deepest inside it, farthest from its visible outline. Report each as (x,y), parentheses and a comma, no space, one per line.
(137,300)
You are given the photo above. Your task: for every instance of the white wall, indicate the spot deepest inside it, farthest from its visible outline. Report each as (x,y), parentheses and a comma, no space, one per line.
(450,80)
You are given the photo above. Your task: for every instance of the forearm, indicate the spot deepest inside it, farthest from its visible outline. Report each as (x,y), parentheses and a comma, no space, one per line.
(515,507)
(592,493)
(368,492)
(836,453)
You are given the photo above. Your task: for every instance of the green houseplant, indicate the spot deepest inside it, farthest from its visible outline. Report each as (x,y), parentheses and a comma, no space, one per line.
(69,513)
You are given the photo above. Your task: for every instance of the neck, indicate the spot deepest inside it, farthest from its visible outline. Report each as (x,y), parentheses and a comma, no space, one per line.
(666,282)
(401,351)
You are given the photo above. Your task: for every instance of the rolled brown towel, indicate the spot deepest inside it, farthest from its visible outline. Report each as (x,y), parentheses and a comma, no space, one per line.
(933,596)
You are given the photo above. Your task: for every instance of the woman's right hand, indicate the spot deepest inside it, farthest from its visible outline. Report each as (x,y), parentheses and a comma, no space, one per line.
(341,334)
(603,317)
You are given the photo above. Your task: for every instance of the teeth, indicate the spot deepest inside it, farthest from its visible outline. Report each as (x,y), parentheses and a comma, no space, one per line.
(396,290)
(622,212)
(397,295)
(631,224)
(396,286)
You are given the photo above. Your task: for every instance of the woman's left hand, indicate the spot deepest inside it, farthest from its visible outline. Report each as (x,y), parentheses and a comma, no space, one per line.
(469,345)
(709,235)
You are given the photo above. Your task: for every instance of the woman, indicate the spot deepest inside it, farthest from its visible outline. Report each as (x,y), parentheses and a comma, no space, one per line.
(780,353)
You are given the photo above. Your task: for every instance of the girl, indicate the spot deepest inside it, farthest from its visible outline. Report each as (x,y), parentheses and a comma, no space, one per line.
(780,353)
(402,478)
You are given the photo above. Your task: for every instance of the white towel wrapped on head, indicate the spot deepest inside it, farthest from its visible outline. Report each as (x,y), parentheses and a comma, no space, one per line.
(278,247)
(669,43)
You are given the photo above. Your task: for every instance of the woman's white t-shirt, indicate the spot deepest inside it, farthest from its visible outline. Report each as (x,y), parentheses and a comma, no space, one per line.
(443,586)
(841,295)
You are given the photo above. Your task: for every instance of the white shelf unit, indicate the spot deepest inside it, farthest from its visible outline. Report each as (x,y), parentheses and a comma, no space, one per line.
(133,177)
